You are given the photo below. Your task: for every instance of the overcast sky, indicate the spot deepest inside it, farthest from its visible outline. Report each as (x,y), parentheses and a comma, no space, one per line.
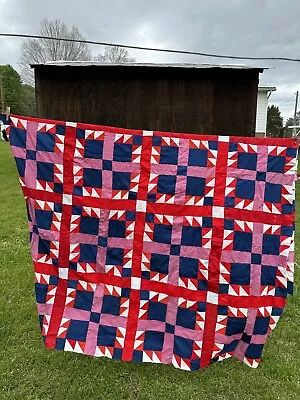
(266,28)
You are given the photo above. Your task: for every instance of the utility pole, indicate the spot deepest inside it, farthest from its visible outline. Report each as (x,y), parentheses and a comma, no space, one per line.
(295,114)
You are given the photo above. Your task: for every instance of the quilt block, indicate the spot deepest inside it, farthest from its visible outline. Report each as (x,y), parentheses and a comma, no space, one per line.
(157,247)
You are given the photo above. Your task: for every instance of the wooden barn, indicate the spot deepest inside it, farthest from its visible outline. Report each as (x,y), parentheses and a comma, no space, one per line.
(204,98)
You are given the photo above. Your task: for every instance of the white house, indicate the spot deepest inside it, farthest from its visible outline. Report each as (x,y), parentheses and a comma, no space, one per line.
(264,92)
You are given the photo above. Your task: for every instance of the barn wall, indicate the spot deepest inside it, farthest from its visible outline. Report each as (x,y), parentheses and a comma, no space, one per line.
(214,101)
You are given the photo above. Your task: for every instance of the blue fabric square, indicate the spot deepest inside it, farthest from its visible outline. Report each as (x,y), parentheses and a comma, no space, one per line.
(261,325)
(229,202)
(93,149)
(88,253)
(125,292)
(45,141)
(201,306)
(168,155)
(166,184)
(157,311)
(58,207)
(222,310)
(268,275)
(17,137)
(43,246)
(188,267)
(122,152)
(156,140)
(43,219)
(84,300)
(21,163)
(246,338)
(77,330)
(117,355)
(195,186)
(255,258)
(107,165)
(102,241)
(261,176)
(159,263)
(186,318)
(111,305)
(242,241)
(235,325)
(182,170)
(53,280)
(121,180)
(41,292)
(276,164)
(117,228)
(106,336)
(95,317)
(213,145)
(154,340)
(72,284)
(162,233)
(137,356)
(183,347)
(80,133)
(114,256)
(245,189)
(30,155)
(92,178)
(247,161)
(230,347)
(273,193)
(287,231)
(223,288)
(208,201)
(202,285)
(288,208)
(240,274)
(150,217)
(191,236)
(130,215)
(170,328)
(271,244)
(254,350)
(89,225)
(58,188)
(290,152)
(60,344)
(144,295)
(175,250)
(45,171)
(229,224)
(198,157)
(233,147)
(207,222)
(137,140)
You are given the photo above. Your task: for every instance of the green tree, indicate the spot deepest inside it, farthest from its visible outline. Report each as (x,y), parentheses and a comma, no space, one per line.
(291,122)
(20,98)
(274,122)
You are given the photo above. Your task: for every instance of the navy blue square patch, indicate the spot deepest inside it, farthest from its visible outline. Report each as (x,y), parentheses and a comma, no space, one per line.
(169,155)
(117,229)
(45,141)
(186,318)
(255,258)
(21,166)
(245,189)
(242,241)
(111,305)
(77,330)
(188,267)
(89,225)
(84,300)
(95,317)
(157,311)
(261,325)
(183,347)
(276,164)
(107,165)
(235,325)
(273,193)
(137,140)
(121,180)
(31,155)
(170,328)
(191,236)
(261,176)
(106,336)
(122,152)
(102,241)
(182,170)
(114,256)
(159,263)
(268,275)
(198,157)
(88,253)
(92,178)
(43,219)
(175,250)
(271,244)
(162,233)
(254,350)
(17,137)
(93,149)
(154,340)
(240,274)
(195,186)
(247,161)
(45,171)
(166,184)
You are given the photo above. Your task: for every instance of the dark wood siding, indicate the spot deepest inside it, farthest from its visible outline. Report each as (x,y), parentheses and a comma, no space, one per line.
(218,101)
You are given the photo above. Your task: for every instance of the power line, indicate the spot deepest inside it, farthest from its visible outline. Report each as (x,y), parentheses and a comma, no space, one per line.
(195,53)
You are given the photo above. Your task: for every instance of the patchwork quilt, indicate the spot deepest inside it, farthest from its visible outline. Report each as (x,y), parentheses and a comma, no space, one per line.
(157,247)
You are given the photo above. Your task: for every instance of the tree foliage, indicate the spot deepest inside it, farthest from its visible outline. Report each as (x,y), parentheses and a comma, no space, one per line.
(35,51)
(274,122)
(20,98)
(115,54)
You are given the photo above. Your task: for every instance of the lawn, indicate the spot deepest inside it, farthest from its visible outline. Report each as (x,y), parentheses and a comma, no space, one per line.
(30,372)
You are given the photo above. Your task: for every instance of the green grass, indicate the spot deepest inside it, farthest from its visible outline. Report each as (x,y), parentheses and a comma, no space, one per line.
(28,371)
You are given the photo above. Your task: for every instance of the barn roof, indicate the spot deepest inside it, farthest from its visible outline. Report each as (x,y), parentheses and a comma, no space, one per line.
(146,65)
